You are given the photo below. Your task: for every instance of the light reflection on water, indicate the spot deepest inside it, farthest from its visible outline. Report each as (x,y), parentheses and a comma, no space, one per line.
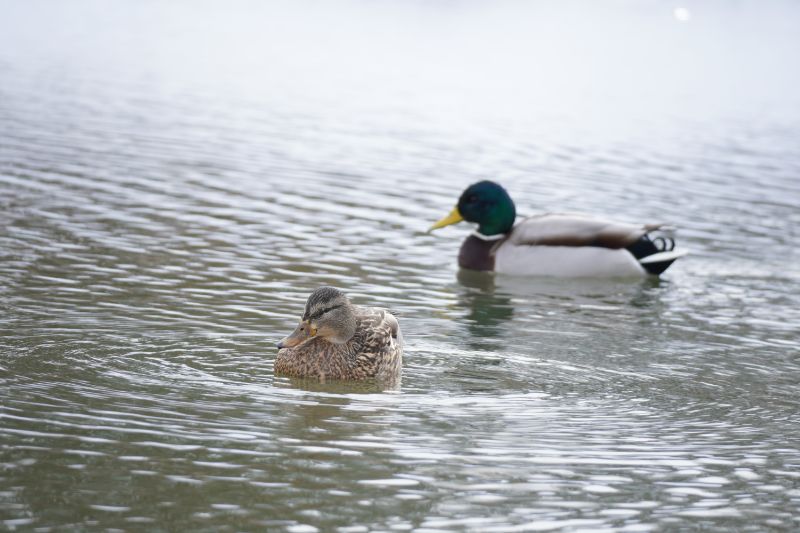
(168,201)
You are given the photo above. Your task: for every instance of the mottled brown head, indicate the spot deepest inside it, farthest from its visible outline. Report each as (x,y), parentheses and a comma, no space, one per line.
(328,314)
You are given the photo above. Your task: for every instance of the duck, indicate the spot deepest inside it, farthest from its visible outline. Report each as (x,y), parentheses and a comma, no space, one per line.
(565,245)
(337,340)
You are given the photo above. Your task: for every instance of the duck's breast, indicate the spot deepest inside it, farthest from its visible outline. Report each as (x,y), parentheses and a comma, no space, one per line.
(477,254)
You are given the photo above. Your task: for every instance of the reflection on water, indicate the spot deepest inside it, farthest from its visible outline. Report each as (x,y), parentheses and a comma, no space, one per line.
(489,309)
(175,178)
(339,387)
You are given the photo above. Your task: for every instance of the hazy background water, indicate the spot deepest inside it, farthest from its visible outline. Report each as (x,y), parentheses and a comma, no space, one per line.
(175,177)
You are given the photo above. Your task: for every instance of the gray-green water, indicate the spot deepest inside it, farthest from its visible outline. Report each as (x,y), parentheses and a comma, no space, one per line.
(175,178)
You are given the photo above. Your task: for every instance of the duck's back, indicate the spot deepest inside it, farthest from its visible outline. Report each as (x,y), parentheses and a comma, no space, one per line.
(574,229)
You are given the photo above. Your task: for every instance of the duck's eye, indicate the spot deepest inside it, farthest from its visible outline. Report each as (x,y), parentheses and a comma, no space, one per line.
(472,198)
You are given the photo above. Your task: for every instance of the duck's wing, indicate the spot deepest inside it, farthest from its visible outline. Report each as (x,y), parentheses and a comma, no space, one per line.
(382,343)
(394,325)
(379,324)
(568,229)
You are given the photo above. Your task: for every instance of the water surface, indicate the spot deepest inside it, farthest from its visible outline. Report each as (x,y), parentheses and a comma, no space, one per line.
(175,179)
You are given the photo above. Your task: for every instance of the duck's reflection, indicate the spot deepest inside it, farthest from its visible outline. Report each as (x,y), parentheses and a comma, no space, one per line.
(493,302)
(368,386)
(322,440)
(648,292)
(489,310)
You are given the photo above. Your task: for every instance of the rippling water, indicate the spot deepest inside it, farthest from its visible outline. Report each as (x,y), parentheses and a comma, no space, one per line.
(175,179)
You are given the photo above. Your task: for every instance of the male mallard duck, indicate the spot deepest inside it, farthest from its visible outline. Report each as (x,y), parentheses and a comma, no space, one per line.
(337,340)
(553,244)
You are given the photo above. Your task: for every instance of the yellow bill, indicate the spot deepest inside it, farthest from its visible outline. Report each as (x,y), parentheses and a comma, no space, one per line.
(453,218)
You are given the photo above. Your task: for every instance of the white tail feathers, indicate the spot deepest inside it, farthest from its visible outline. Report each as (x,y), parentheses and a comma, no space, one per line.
(660,257)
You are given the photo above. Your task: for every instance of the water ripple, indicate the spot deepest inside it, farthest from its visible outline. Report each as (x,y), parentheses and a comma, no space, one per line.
(160,229)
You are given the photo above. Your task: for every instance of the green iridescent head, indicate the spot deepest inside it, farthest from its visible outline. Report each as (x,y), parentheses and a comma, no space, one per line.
(487,204)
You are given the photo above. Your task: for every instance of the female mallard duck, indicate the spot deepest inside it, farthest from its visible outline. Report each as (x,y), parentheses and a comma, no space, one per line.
(337,340)
(552,244)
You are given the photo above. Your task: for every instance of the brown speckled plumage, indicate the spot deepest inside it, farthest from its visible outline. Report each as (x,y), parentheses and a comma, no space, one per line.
(374,351)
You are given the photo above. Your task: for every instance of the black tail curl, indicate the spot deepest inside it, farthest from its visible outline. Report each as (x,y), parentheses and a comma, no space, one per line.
(646,246)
